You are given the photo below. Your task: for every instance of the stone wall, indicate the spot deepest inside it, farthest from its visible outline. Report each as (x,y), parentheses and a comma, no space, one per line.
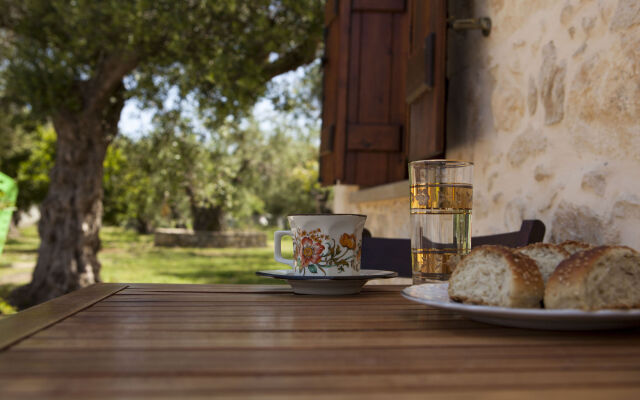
(548,109)
(189,238)
(386,207)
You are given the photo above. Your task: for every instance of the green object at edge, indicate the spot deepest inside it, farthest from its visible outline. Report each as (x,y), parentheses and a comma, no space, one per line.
(8,197)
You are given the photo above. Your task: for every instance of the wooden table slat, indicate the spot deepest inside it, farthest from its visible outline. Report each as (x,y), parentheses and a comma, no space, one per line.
(160,341)
(242,362)
(181,385)
(18,326)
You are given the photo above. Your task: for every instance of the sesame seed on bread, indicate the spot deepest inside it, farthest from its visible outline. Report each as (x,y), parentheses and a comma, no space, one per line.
(605,277)
(497,276)
(573,246)
(547,256)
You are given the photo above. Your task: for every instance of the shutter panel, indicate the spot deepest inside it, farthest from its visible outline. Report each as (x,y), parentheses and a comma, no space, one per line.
(330,62)
(426,79)
(363,138)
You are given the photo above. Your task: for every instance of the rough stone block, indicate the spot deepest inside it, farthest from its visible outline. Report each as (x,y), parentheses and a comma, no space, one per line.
(541,173)
(595,181)
(507,105)
(579,222)
(526,145)
(627,15)
(532,96)
(552,77)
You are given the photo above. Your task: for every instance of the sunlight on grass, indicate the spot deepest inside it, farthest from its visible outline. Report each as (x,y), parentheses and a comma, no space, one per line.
(16,264)
(132,258)
(6,308)
(127,257)
(20,250)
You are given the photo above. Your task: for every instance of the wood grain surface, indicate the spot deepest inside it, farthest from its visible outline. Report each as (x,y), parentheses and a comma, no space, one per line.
(247,341)
(18,326)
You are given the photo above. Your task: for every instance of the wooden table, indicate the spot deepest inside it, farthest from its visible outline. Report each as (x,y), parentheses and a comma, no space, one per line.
(242,341)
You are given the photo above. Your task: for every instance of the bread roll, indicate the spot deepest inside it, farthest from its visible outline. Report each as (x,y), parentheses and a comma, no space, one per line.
(572,246)
(497,276)
(546,255)
(605,277)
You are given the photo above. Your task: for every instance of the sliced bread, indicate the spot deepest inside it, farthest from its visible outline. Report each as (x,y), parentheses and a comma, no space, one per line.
(605,277)
(497,276)
(546,255)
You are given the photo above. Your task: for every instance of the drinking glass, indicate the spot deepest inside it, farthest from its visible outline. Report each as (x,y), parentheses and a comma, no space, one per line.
(441,200)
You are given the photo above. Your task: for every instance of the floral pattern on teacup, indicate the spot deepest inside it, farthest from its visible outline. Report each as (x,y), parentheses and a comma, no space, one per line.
(315,252)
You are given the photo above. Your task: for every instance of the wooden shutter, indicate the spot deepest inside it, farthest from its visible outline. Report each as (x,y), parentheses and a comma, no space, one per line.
(363,139)
(425,92)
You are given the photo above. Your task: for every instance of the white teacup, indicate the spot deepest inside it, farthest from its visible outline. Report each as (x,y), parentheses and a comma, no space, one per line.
(323,244)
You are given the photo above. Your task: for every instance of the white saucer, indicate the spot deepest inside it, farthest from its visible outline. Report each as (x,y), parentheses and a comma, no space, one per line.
(435,295)
(327,285)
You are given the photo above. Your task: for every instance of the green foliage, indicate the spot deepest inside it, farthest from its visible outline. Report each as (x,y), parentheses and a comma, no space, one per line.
(128,193)
(157,179)
(33,173)
(13,145)
(300,99)
(243,167)
(61,58)
(127,181)
(27,154)
(221,53)
(16,138)
(290,183)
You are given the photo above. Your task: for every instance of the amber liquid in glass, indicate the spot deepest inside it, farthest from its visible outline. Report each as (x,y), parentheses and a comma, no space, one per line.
(440,229)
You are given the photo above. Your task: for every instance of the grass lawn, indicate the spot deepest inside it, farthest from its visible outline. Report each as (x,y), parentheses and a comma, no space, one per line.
(129,257)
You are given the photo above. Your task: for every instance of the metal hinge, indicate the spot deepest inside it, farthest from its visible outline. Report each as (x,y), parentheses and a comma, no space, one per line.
(483,23)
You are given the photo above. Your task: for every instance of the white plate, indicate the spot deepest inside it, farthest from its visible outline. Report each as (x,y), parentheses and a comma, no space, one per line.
(328,285)
(435,295)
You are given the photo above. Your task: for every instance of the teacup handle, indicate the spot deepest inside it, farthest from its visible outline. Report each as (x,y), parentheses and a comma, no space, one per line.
(277,248)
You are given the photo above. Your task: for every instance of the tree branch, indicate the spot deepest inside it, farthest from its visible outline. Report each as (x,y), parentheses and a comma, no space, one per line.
(300,55)
(110,72)
(10,14)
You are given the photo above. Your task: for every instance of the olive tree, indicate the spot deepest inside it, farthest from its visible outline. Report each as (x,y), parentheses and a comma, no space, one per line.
(75,63)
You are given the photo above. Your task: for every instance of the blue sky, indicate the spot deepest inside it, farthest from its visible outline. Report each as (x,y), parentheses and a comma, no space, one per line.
(136,122)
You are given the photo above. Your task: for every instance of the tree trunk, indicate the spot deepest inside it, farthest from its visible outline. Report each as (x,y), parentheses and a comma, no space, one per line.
(204,217)
(71,214)
(207,218)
